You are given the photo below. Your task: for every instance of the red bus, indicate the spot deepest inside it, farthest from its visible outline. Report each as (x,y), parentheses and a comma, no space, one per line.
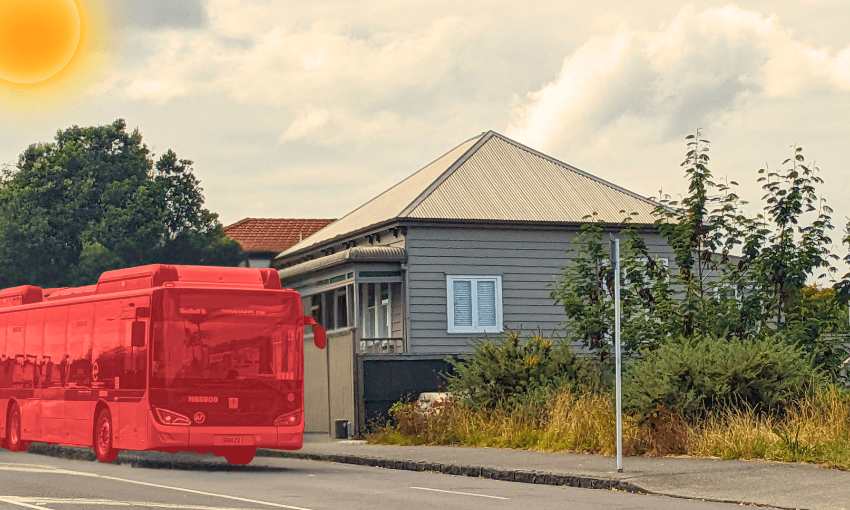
(159,357)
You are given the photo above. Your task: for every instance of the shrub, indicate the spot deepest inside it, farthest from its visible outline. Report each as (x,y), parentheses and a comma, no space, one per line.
(691,376)
(512,374)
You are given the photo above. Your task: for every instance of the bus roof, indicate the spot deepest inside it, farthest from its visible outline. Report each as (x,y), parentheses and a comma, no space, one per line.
(146,277)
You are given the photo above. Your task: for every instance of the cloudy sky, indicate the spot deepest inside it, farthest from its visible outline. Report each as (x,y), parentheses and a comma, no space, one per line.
(308,109)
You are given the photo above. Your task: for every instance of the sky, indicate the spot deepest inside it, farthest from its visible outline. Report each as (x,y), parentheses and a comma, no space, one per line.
(309,109)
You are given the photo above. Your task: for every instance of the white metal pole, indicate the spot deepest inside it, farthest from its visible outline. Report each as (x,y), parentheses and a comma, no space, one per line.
(617,355)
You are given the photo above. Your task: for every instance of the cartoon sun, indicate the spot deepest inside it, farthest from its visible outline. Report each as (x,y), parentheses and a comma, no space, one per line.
(38,38)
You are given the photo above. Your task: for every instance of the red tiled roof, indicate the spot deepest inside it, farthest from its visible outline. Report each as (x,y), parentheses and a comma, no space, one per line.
(272,234)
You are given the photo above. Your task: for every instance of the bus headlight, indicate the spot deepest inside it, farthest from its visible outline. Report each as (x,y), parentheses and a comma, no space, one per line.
(288,420)
(167,417)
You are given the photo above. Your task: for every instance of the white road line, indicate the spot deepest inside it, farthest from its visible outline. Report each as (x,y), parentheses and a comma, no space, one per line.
(462,493)
(23,500)
(47,469)
(14,501)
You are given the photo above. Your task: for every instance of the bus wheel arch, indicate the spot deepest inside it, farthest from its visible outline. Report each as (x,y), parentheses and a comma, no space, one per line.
(103,433)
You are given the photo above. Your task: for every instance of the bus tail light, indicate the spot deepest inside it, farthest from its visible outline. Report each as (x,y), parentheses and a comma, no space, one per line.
(288,420)
(167,417)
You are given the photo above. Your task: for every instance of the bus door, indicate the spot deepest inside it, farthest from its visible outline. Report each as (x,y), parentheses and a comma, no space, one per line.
(130,415)
(54,368)
(31,410)
(79,401)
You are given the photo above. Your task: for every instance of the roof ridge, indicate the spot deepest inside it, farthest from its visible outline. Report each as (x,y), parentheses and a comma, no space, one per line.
(484,137)
(243,220)
(284,219)
(574,169)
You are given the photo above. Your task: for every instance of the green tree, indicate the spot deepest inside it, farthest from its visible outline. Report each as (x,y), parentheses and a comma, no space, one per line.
(703,229)
(585,290)
(94,200)
(816,320)
(783,251)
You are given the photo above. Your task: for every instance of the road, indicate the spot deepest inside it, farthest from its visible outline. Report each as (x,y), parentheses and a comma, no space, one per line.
(35,481)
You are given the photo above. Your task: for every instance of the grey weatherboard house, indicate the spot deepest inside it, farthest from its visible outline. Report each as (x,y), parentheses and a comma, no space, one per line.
(462,248)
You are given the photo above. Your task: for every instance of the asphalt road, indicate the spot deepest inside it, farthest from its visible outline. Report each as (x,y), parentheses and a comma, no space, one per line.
(35,481)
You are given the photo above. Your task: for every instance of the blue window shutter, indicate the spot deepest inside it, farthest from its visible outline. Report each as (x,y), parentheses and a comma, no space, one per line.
(486,303)
(462,293)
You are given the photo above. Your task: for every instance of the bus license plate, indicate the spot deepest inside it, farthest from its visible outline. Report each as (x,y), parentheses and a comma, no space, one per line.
(233,440)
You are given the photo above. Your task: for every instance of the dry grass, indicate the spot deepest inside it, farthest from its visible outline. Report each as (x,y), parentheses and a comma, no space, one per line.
(815,429)
(578,422)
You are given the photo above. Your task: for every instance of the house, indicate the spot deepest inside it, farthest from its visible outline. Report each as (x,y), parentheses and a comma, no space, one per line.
(461,249)
(263,238)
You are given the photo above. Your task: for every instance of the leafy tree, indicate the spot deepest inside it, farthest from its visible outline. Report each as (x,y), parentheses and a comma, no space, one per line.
(817,321)
(737,276)
(94,200)
(585,290)
(703,230)
(783,252)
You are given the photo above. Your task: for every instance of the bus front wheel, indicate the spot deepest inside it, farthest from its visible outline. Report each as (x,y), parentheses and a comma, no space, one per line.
(103,437)
(14,441)
(240,455)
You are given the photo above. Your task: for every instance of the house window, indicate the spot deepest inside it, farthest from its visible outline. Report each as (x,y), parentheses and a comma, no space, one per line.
(474,304)
(331,308)
(377,310)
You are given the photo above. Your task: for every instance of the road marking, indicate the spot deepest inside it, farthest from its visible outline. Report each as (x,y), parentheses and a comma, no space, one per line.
(50,469)
(29,502)
(12,500)
(462,493)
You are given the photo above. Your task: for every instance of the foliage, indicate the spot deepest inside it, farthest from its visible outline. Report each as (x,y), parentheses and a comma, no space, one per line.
(814,428)
(694,375)
(585,290)
(815,319)
(94,200)
(784,253)
(514,373)
(762,291)
(703,229)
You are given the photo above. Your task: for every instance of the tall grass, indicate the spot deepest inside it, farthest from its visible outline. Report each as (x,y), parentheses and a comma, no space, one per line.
(815,428)
(572,421)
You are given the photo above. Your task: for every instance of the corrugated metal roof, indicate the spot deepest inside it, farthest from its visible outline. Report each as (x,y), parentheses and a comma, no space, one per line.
(491,177)
(504,180)
(389,204)
(356,254)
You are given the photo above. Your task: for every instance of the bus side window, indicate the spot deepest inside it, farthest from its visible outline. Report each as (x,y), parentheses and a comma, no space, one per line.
(133,376)
(55,327)
(5,364)
(80,328)
(158,354)
(15,349)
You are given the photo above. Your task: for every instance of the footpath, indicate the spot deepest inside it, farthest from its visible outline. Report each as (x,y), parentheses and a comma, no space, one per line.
(770,484)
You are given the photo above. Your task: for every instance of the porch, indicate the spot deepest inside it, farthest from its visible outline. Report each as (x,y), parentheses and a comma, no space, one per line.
(361,288)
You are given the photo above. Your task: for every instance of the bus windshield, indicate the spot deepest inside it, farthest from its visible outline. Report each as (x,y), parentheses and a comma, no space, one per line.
(225,336)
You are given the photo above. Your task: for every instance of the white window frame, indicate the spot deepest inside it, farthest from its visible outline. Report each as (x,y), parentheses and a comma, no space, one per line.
(372,333)
(450,304)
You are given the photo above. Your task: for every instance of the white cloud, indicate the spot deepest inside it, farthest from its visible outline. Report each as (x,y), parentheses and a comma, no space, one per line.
(694,71)
(329,83)
(328,103)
